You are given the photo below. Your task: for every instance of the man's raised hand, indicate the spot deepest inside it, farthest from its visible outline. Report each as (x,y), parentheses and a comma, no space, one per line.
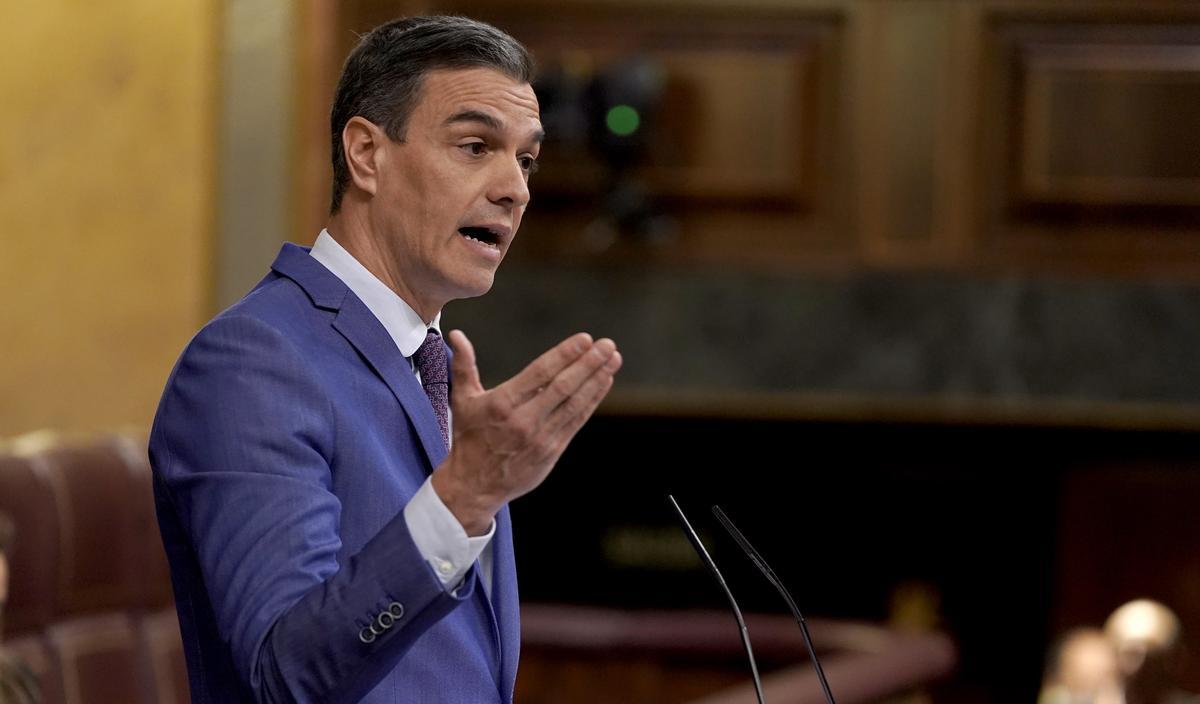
(507,439)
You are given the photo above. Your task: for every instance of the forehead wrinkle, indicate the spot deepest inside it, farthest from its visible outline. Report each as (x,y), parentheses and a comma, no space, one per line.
(484,97)
(537,136)
(479,116)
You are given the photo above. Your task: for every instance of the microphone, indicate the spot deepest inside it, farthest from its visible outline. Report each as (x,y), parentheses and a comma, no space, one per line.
(737,613)
(763,567)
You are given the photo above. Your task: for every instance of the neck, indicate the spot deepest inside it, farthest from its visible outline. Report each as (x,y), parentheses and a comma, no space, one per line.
(354,232)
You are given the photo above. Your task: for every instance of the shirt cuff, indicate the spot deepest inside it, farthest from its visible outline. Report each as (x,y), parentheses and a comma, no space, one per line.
(440,538)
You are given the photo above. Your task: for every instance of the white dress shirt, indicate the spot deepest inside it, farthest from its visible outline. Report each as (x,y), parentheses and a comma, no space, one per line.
(437,533)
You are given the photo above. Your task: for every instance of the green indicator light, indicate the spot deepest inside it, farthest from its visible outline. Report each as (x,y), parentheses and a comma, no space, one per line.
(622,120)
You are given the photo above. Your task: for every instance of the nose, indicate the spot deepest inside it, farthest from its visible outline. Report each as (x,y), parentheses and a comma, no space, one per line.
(509,186)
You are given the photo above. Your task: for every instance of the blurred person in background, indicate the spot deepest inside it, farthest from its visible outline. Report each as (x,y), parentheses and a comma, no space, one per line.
(1148,641)
(1082,669)
(17,683)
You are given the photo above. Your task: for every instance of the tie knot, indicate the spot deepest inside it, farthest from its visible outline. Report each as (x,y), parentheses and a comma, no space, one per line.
(430,359)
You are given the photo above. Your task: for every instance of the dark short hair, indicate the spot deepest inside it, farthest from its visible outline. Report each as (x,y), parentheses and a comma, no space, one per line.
(382,78)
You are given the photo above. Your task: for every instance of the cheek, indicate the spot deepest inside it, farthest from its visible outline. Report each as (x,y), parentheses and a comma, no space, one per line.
(442,196)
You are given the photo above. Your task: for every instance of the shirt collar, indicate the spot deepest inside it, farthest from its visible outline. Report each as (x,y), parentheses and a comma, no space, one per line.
(403,323)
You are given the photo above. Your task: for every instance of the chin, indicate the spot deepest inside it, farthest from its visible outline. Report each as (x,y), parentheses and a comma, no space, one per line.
(475,287)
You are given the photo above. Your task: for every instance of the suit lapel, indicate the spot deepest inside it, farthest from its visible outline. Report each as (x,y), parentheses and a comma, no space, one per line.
(363,330)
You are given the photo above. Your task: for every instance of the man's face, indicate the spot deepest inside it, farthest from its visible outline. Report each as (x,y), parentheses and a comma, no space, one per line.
(450,197)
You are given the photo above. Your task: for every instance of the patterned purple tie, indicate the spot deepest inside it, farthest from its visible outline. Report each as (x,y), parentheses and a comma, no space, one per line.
(430,359)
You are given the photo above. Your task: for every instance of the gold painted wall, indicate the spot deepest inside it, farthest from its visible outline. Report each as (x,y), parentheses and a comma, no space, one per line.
(107,140)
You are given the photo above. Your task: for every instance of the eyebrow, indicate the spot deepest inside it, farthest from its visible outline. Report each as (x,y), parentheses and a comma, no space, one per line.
(488,121)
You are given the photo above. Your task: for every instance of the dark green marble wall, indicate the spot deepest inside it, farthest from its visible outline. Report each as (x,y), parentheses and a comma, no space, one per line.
(887,335)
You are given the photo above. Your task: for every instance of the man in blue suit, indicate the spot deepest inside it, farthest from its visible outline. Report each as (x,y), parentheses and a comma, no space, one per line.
(333,509)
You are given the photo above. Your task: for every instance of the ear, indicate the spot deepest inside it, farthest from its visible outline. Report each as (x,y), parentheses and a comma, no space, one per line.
(363,143)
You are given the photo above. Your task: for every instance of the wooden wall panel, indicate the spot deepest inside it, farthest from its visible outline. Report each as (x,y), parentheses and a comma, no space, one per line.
(910,134)
(1111,124)
(744,131)
(1086,160)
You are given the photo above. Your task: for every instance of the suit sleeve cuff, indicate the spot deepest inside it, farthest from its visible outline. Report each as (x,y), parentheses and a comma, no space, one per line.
(440,538)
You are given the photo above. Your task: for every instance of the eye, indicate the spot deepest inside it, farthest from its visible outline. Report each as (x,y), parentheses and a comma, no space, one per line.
(474,148)
(528,164)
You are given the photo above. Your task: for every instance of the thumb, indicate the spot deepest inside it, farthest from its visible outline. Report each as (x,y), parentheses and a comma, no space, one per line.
(466,374)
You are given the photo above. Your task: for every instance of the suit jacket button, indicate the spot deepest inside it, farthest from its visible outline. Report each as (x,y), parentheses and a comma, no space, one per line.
(366,635)
(385,620)
(396,609)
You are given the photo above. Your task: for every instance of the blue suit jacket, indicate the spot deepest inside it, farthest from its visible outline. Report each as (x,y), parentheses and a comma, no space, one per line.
(290,436)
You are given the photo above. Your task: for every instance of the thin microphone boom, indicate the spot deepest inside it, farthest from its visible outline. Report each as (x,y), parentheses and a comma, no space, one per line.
(737,613)
(763,567)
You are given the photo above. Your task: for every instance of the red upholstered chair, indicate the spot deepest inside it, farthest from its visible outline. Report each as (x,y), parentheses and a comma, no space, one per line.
(34,652)
(28,498)
(90,606)
(99,660)
(163,648)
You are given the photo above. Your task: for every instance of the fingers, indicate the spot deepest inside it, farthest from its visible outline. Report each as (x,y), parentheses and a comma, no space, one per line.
(543,370)
(562,425)
(614,363)
(569,375)
(555,430)
(504,447)
(566,384)
(466,373)
(575,410)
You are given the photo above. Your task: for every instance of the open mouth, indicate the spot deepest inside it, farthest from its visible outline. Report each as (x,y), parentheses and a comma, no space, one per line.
(481,235)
